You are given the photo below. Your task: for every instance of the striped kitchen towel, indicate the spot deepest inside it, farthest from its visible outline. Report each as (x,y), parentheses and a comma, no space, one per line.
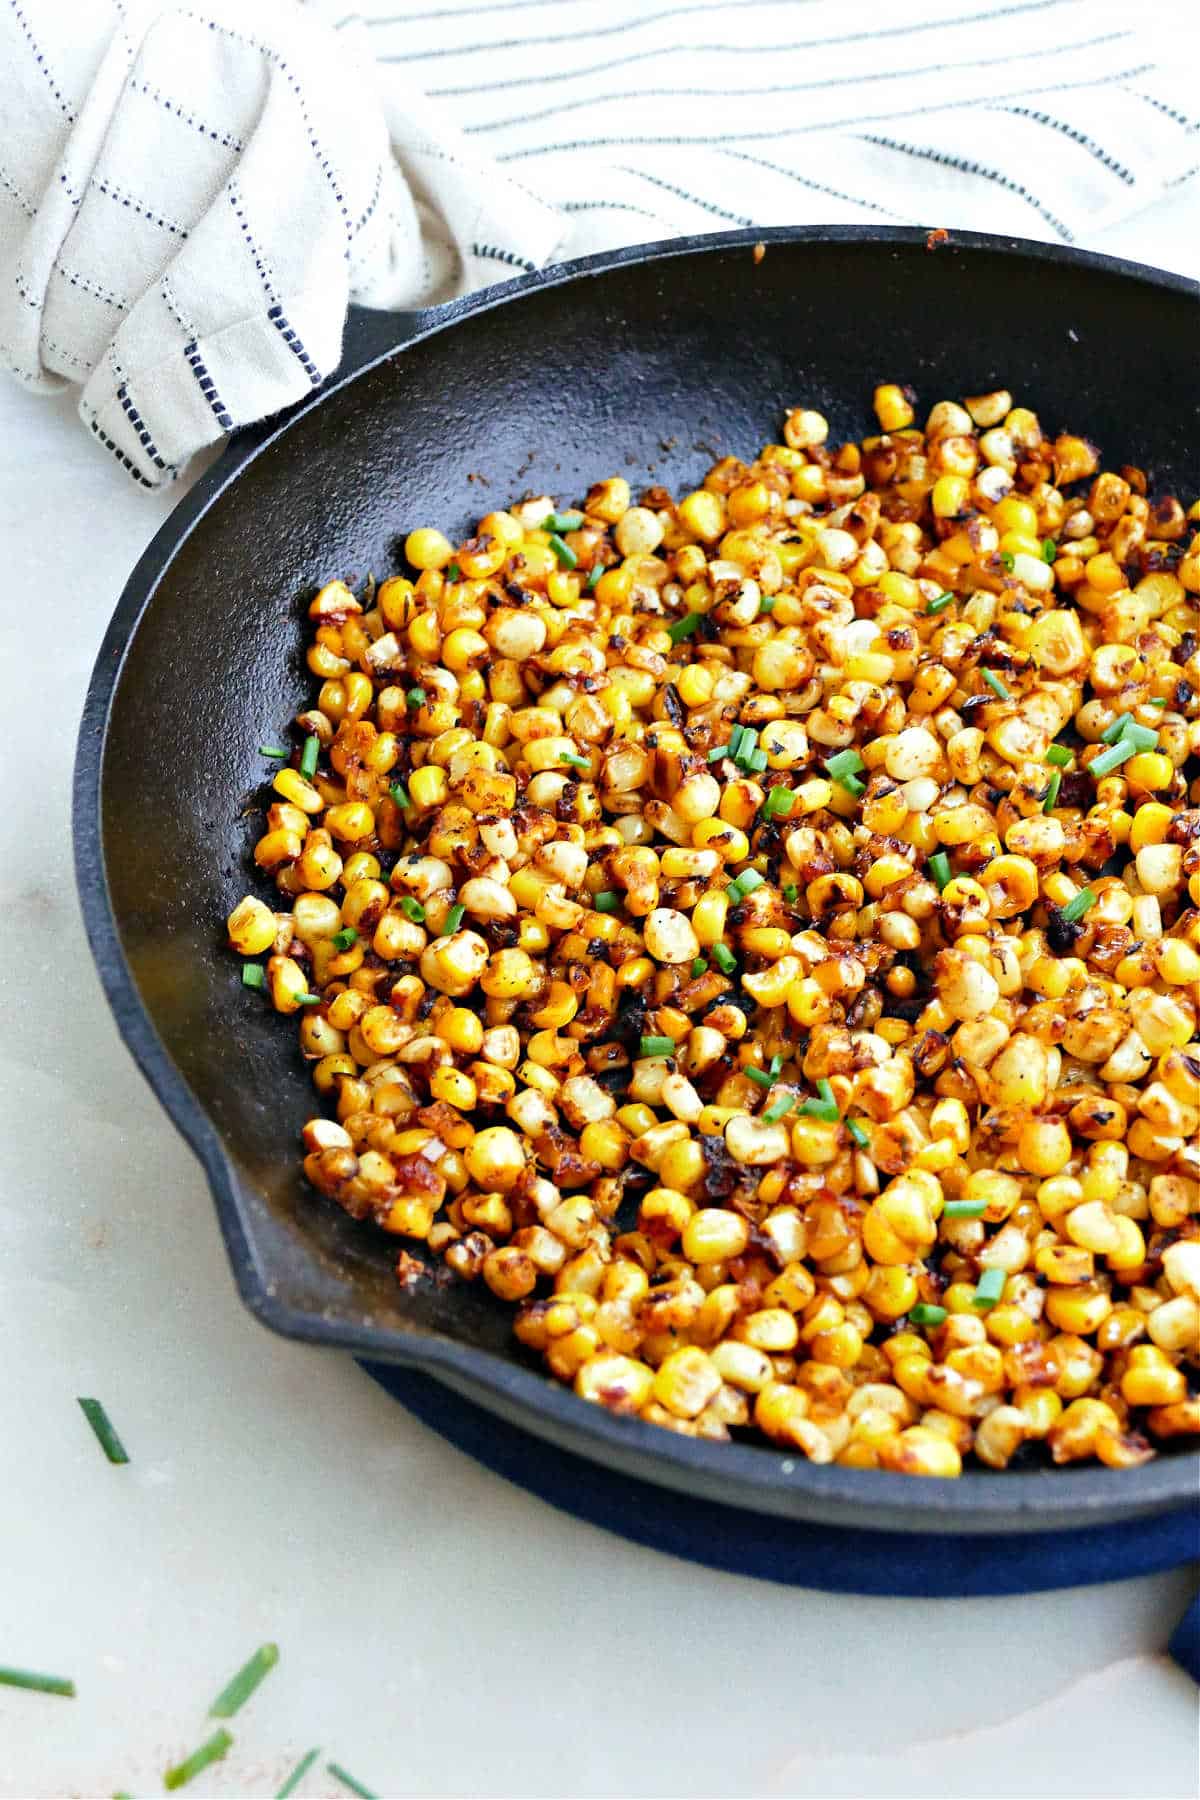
(191,195)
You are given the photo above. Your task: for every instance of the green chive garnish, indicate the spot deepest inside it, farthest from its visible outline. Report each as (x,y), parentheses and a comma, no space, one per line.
(658,1046)
(308,1000)
(779,1107)
(844,769)
(1117,729)
(297,1775)
(718,753)
(209,1752)
(608,900)
(596,572)
(400,795)
(343,939)
(939,605)
(824,1108)
(756,762)
(453,573)
(412,909)
(746,882)
(38,1684)
(988,1289)
(415,698)
(939,867)
(1049,550)
(576,761)
(454,918)
(234,1695)
(858,1133)
(273,752)
(964,1209)
(1007,561)
(1141,735)
(1113,757)
(791,892)
(924,1314)
(763,1077)
(747,744)
(1059,755)
(679,629)
(997,686)
(1075,908)
(348,1781)
(699,967)
(825,1089)
(724,958)
(562,521)
(564,552)
(308,757)
(1156,703)
(253,975)
(766,604)
(102,1425)
(1051,800)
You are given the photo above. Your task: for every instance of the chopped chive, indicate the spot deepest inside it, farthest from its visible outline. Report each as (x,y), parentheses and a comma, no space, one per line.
(724,958)
(576,761)
(1156,703)
(679,629)
(747,881)
(1008,561)
(791,892)
(211,1751)
(747,746)
(779,1107)
(400,795)
(1049,550)
(924,1314)
(939,867)
(566,556)
(1051,800)
(964,1209)
(853,785)
(597,571)
(415,698)
(736,737)
(38,1684)
(297,1775)
(608,900)
(348,1781)
(308,757)
(253,975)
(1113,757)
(766,604)
(763,1077)
(343,939)
(718,753)
(275,754)
(453,572)
(412,909)
(826,1091)
(756,762)
(1081,903)
(1059,755)
(1141,735)
(858,1133)
(234,1695)
(939,605)
(1117,729)
(997,686)
(102,1425)
(988,1290)
(657,1046)
(308,1000)
(699,967)
(562,521)
(454,918)
(821,1109)
(846,762)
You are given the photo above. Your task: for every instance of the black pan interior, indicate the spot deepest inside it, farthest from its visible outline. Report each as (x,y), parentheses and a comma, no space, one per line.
(647,368)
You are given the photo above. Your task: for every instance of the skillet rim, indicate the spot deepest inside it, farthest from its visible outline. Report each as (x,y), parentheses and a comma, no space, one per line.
(752,1478)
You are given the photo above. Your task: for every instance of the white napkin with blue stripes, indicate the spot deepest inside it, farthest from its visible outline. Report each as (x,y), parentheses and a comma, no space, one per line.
(191,195)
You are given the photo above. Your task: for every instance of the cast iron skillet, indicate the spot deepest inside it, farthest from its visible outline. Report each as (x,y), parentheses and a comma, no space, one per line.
(647,362)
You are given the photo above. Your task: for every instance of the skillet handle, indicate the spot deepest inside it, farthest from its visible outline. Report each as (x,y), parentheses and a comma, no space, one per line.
(370,334)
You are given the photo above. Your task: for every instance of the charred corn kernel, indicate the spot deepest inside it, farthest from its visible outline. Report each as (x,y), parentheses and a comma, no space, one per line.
(252,927)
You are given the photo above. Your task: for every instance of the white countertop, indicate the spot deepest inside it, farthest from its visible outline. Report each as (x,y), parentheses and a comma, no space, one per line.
(441,1632)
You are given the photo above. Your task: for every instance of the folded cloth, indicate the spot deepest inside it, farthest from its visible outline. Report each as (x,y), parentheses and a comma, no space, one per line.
(190,196)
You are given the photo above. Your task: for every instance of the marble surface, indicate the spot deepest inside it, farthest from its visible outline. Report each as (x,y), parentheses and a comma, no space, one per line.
(441,1632)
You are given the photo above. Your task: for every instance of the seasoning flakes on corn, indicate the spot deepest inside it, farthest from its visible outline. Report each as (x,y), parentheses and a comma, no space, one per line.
(758,936)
